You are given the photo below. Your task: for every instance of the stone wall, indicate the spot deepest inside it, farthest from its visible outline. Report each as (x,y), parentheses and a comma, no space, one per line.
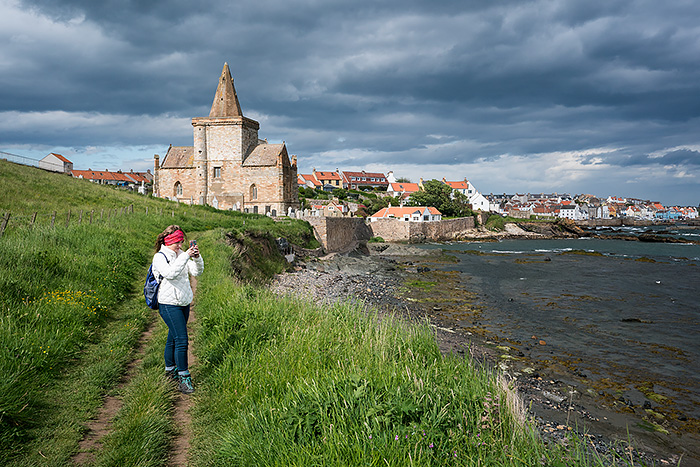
(599,223)
(339,233)
(394,230)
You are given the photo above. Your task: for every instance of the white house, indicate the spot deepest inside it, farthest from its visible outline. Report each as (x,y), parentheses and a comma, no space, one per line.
(56,163)
(573,211)
(408,214)
(476,199)
(403,189)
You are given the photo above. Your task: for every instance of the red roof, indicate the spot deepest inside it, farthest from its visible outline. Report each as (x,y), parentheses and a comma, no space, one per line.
(60,157)
(326,175)
(302,179)
(462,185)
(397,211)
(107,175)
(407,187)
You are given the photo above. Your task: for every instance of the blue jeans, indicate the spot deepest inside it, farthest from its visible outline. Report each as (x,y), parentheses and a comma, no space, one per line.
(175,317)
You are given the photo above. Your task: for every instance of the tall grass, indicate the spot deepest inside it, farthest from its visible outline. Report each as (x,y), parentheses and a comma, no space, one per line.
(62,287)
(287,382)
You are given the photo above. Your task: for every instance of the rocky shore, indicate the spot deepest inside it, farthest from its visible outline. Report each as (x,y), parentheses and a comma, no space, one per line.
(562,229)
(385,280)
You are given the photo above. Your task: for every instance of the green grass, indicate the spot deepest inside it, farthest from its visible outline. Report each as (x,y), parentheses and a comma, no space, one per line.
(280,381)
(72,293)
(286,382)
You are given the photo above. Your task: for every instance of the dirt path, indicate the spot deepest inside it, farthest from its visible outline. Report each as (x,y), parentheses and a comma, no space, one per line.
(102,424)
(184,402)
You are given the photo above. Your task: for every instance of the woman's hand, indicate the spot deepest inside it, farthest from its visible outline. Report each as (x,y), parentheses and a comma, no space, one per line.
(193,251)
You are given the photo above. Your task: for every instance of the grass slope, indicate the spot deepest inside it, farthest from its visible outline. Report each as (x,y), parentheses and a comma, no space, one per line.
(280,381)
(71,308)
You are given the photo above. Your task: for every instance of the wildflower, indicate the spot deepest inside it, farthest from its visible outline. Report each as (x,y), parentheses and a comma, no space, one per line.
(396,438)
(370,436)
(431,445)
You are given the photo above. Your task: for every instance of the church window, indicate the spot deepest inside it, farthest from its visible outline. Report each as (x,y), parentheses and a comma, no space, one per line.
(217,172)
(253,192)
(178,189)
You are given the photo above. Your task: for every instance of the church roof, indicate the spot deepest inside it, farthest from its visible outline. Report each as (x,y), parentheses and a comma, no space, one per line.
(178,156)
(264,155)
(225,101)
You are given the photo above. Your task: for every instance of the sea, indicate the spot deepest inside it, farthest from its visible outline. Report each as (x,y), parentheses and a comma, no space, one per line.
(623,316)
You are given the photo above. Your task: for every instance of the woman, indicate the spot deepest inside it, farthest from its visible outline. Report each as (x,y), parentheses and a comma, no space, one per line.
(174,298)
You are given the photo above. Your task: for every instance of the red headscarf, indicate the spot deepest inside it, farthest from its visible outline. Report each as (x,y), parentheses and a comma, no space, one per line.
(174,237)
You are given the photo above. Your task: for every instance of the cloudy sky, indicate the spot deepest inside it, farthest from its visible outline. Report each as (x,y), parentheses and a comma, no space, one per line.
(594,96)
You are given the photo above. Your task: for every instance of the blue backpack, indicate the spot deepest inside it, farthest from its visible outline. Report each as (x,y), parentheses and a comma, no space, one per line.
(150,289)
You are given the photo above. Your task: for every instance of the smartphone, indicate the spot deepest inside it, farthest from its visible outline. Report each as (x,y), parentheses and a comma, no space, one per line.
(193,243)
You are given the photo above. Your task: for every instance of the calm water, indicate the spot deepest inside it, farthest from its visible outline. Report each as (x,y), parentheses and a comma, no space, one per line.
(631,315)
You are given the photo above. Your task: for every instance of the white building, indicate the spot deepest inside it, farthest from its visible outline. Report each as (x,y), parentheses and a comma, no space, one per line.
(408,214)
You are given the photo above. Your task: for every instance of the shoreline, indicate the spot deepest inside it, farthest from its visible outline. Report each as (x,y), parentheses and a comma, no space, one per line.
(384,280)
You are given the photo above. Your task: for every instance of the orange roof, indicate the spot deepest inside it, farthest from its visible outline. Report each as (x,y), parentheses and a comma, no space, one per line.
(462,185)
(308,178)
(396,211)
(407,187)
(326,175)
(60,157)
(107,175)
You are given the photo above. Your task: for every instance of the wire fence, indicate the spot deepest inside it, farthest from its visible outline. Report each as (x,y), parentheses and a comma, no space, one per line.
(54,219)
(46,165)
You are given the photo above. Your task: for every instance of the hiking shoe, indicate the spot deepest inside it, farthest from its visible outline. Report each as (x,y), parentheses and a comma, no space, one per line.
(172,375)
(185,385)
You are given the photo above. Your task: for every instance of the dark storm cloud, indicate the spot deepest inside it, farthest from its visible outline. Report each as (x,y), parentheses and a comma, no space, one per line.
(405,82)
(676,158)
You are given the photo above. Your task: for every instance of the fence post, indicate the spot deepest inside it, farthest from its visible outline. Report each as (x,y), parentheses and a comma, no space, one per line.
(131,208)
(91,213)
(102,212)
(172,213)
(31,224)
(68,218)
(53,219)
(80,219)
(5,220)
(147,210)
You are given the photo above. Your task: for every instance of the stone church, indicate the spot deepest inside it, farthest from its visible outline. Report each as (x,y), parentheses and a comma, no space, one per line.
(228,167)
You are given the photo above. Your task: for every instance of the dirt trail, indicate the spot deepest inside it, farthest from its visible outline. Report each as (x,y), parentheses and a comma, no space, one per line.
(184,402)
(102,424)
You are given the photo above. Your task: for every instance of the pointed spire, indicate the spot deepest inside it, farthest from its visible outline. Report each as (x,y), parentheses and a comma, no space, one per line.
(225,101)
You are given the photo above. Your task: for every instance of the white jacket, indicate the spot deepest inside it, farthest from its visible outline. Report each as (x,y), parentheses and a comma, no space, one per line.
(175,286)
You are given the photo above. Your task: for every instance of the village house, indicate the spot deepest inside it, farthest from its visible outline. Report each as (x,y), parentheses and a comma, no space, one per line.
(308,181)
(404,190)
(364,180)
(408,214)
(131,180)
(56,163)
(328,180)
(331,209)
(572,211)
(229,167)
(476,199)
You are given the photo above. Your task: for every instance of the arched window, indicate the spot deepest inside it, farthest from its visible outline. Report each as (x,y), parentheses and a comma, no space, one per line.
(178,189)
(253,192)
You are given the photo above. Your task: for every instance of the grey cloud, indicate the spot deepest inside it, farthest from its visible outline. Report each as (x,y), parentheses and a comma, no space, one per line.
(375,79)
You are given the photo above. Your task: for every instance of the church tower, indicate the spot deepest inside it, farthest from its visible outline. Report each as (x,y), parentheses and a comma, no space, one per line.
(223,139)
(229,167)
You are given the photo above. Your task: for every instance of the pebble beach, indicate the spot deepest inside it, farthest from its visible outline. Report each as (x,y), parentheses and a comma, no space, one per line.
(381,281)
